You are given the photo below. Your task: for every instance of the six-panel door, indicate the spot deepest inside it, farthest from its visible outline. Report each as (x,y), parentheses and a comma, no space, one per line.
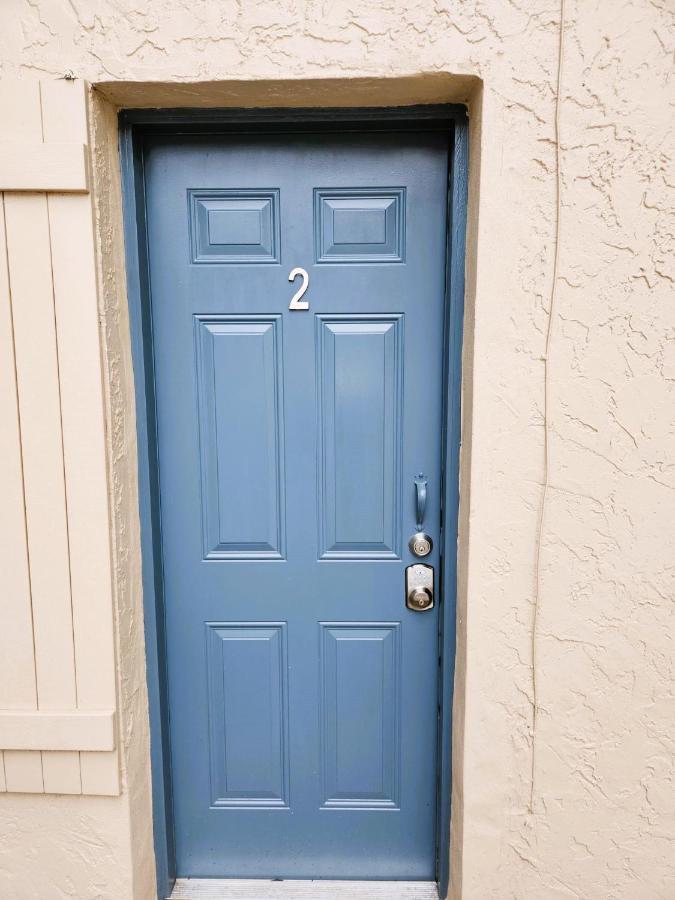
(303,693)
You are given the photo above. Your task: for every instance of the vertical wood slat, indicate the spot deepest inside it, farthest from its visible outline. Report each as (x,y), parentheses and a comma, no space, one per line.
(17,664)
(75,297)
(21,117)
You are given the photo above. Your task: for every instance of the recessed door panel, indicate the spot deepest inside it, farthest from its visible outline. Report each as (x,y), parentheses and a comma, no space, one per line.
(302,690)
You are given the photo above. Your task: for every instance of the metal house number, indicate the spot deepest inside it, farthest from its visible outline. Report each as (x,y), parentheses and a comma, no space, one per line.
(296,300)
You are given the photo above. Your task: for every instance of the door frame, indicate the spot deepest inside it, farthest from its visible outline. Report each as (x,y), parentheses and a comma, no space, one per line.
(134,126)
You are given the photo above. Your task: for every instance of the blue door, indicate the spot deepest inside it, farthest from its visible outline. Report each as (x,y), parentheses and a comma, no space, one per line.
(303,694)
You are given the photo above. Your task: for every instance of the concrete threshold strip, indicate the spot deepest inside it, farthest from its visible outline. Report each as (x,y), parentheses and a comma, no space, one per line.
(248,889)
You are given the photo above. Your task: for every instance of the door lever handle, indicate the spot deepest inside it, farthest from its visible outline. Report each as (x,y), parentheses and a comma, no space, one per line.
(420,499)
(420,544)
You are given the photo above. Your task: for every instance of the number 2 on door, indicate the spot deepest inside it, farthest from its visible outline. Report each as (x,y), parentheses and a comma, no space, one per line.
(296,300)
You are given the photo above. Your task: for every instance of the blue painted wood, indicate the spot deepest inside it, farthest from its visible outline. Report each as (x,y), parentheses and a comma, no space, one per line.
(148,487)
(360,390)
(359,225)
(280,120)
(384,330)
(135,125)
(242,480)
(360,695)
(234,226)
(248,729)
(452,430)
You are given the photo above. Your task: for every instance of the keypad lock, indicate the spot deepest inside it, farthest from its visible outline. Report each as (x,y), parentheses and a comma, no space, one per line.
(419,587)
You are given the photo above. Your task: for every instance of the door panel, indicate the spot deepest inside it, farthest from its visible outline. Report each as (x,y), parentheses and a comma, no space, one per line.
(359,424)
(242,517)
(248,730)
(302,692)
(360,712)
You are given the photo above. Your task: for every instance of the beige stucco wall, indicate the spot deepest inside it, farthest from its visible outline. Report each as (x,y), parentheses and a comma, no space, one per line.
(599,823)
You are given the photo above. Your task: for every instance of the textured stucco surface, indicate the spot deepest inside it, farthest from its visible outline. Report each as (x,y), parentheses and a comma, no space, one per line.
(65,848)
(601,825)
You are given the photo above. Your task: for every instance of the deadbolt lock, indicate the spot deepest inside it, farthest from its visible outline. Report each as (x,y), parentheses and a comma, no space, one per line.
(420,544)
(419,587)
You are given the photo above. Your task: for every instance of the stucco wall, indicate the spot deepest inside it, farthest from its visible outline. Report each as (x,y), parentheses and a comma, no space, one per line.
(599,822)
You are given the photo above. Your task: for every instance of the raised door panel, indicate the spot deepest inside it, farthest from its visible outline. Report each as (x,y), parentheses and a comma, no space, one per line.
(234,226)
(359,225)
(360,413)
(248,729)
(360,715)
(241,436)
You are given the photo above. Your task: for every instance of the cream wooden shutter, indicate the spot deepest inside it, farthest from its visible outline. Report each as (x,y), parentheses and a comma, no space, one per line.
(57,667)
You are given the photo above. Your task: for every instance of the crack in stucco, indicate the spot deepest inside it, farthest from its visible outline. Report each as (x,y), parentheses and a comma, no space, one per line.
(547,414)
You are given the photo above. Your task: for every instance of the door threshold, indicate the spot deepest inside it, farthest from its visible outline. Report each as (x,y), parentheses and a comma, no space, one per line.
(259,889)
